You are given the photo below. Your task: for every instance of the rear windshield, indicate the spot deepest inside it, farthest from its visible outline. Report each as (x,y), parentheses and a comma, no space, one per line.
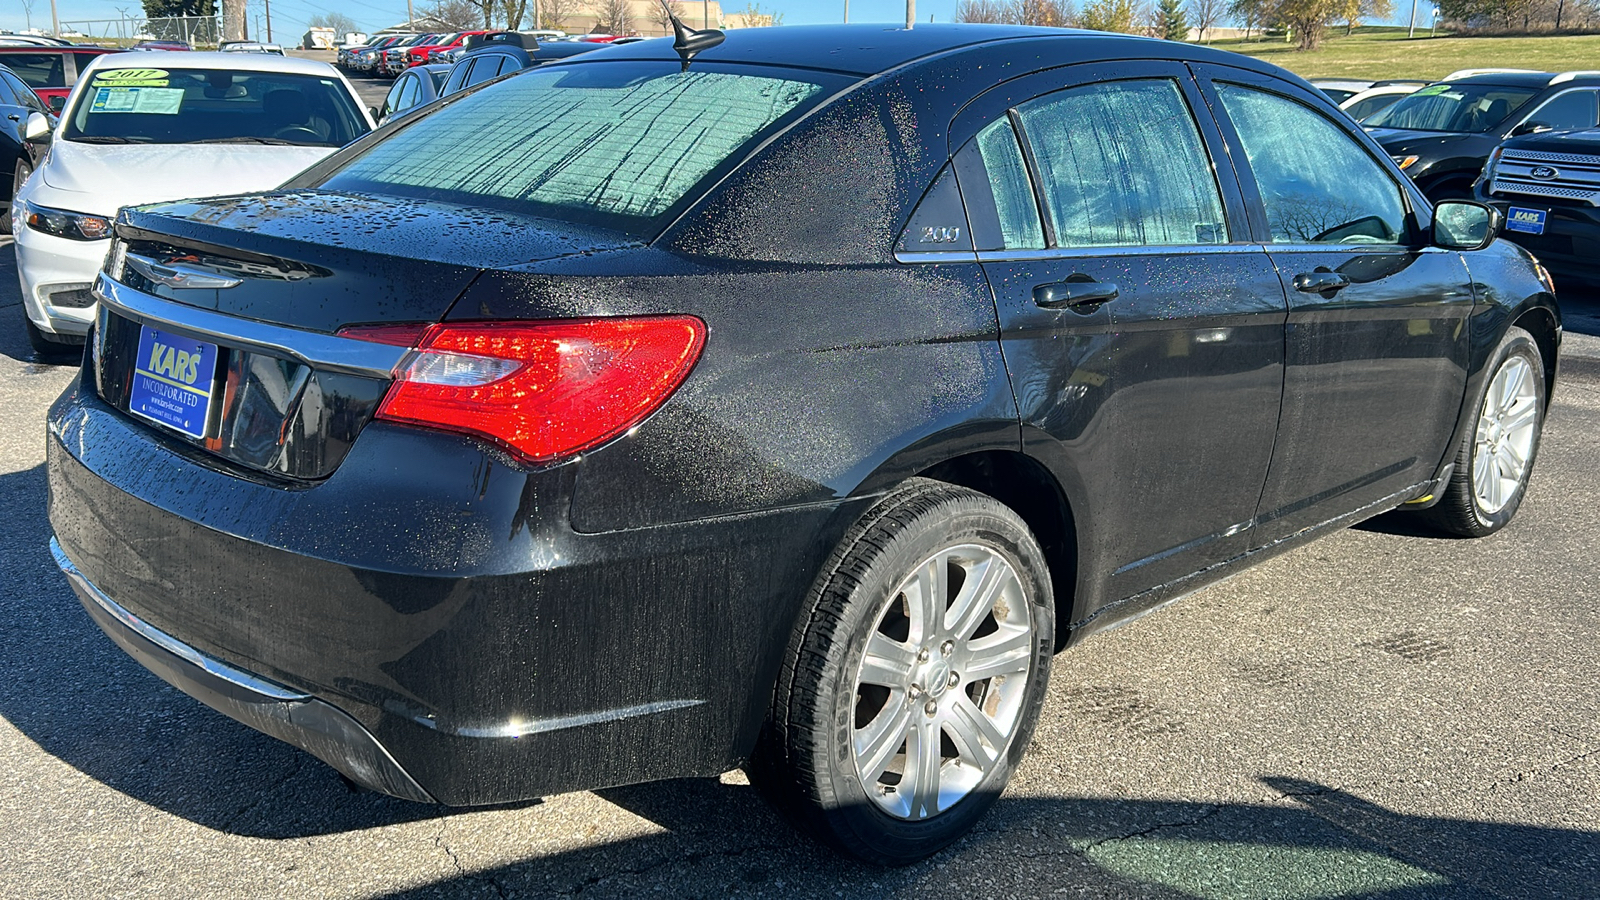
(201,106)
(1453,107)
(618,145)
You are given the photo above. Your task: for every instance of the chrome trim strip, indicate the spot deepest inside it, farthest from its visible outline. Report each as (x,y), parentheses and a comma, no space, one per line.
(178,275)
(516,729)
(238,677)
(1096,252)
(935,256)
(324,352)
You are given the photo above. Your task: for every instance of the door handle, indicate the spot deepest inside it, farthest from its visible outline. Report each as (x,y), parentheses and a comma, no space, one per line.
(1321,281)
(14,117)
(1078,296)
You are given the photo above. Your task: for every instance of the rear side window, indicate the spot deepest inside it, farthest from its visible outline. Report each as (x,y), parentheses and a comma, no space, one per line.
(1122,164)
(1317,184)
(1013,195)
(38,70)
(618,145)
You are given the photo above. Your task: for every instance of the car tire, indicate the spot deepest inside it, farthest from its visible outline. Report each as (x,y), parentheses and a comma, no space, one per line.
(1496,456)
(843,720)
(19,175)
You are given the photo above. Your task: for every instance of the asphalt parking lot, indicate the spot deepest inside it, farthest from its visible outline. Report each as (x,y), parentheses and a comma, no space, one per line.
(1384,713)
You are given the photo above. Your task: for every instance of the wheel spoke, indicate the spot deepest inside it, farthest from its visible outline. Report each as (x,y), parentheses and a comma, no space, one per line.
(887,662)
(984,583)
(877,743)
(999,654)
(923,762)
(925,598)
(1519,419)
(975,734)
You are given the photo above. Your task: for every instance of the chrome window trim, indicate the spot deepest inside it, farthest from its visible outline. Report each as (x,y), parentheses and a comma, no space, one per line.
(324,352)
(269,690)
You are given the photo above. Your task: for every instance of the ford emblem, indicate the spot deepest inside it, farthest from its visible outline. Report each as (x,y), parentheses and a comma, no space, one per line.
(1543,173)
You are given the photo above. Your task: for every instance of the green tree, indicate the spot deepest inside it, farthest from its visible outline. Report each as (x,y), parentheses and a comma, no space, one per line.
(1171,21)
(1109,15)
(161,9)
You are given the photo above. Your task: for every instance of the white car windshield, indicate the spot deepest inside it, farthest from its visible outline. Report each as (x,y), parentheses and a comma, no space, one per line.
(1453,107)
(208,106)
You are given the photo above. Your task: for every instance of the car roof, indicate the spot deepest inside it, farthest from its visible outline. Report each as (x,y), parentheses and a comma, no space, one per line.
(874,49)
(215,59)
(1526,79)
(75,48)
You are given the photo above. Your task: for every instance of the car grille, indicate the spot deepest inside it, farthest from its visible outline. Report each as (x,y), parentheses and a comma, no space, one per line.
(1577,175)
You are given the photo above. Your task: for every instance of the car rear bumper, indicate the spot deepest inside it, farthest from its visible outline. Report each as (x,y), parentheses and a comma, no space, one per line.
(284,713)
(452,636)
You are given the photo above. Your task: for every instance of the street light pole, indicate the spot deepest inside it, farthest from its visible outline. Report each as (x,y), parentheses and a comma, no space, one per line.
(847,12)
(1412,31)
(269,21)
(911,13)
(55,20)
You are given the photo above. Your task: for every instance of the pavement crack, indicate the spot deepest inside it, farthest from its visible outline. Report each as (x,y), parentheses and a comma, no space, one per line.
(1211,809)
(1542,771)
(461,871)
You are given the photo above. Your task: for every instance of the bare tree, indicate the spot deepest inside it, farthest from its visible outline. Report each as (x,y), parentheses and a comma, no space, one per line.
(613,16)
(512,11)
(756,17)
(460,15)
(1048,13)
(990,11)
(339,22)
(553,14)
(660,18)
(1205,14)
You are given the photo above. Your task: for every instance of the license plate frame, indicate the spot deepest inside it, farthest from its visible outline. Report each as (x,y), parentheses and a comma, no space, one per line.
(1526,220)
(174,382)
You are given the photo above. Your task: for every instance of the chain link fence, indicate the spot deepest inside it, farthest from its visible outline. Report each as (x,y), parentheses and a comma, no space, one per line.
(192,30)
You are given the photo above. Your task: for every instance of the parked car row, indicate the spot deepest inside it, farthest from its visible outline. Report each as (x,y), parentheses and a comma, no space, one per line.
(141,132)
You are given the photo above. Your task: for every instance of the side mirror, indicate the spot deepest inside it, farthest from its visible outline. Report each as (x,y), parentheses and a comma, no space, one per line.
(57,104)
(376,113)
(1531,128)
(1465,225)
(37,129)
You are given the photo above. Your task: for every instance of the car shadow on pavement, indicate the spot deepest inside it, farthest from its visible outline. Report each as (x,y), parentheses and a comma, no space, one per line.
(70,690)
(720,840)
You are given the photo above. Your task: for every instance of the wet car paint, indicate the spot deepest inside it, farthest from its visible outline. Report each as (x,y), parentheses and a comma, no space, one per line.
(508,631)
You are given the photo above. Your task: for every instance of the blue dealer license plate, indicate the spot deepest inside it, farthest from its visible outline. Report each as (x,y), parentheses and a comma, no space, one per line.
(172,379)
(1528,221)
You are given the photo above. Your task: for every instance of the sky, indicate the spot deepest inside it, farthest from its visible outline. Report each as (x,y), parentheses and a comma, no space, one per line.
(289,17)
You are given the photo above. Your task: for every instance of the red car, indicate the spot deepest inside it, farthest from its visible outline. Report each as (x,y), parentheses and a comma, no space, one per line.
(424,54)
(50,71)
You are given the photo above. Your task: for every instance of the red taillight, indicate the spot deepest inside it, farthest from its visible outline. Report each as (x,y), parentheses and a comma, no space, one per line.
(542,390)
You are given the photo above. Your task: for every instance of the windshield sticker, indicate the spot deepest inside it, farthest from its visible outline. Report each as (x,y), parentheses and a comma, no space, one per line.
(1431,90)
(133,77)
(149,100)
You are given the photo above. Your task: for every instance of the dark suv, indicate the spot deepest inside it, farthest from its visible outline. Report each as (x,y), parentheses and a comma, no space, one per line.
(1443,134)
(1548,188)
(784,402)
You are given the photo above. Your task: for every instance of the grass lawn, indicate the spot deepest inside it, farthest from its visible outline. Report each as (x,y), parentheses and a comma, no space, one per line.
(1375,53)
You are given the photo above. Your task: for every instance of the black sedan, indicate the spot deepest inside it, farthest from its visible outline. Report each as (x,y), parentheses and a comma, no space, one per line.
(19,156)
(786,401)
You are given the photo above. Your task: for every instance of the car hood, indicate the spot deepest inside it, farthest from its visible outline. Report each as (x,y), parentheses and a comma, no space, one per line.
(1422,143)
(1587,141)
(112,176)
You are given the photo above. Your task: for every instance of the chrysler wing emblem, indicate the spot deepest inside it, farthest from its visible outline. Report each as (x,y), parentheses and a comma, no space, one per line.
(178,275)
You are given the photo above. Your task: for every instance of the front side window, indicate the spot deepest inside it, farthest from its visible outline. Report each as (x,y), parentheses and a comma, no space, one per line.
(1122,164)
(204,106)
(1453,107)
(610,144)
(1567,112)
(38,70)
(1317,184)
